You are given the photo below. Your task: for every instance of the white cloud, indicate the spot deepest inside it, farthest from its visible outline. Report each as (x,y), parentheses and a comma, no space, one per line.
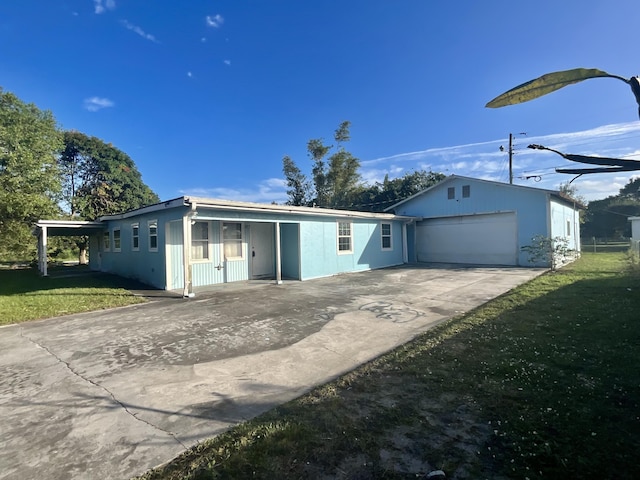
(189,74)
(227,62)
(100,6)
(530,167)
(266,191)
(93,104)
(139,31)
(214,21)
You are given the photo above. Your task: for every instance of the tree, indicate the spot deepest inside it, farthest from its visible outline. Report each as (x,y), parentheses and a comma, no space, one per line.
(334,179)
(29,180)
(379,196)
(299,188)
(99,179)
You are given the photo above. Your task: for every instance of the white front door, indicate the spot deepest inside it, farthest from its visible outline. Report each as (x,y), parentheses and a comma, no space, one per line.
(262,257)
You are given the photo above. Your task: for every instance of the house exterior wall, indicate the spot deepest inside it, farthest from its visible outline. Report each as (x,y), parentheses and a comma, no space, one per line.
(290,250)
(565,223)
(530,206)
(144,264)
(308,247)
(319,247)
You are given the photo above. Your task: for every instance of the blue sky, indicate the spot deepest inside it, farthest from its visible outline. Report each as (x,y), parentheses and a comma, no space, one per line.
(208,96)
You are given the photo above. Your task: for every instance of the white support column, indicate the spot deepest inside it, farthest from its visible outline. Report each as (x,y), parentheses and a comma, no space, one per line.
(43,251)
(187,290)
(278,256)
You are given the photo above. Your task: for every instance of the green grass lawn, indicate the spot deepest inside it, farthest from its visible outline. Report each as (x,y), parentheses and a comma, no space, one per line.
(542,382)
(25,295)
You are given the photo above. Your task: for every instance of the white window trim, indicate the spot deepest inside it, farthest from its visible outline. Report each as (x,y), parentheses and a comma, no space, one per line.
(242,243)
(390,247)
(106,247)
(209,249)
(150,223)
(338,237)
(119,230)
(133,237)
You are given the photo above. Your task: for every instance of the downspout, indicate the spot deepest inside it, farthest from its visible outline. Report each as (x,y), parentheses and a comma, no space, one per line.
(405,243)
(187,290)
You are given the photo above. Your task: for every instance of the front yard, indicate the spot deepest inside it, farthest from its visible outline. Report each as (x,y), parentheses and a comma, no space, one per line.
(543,382)
(25,295)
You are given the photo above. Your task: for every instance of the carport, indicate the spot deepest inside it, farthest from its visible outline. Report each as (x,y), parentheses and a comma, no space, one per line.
(60,228)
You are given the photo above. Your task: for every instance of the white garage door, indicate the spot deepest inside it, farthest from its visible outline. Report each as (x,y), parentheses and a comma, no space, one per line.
(481,239)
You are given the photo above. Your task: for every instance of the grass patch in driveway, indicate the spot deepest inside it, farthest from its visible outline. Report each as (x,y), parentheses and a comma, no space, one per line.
(25,295)
(542,382)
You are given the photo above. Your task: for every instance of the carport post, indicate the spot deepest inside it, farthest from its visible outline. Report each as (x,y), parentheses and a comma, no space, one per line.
(43,250)
(278,256)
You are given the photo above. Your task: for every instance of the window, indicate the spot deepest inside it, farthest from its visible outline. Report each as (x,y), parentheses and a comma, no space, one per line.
(466,191)
(106,241)
(200,241)
(385,231)
(344,237)
(116,239)
(568,228)
(232,240)
(135,236)
(451,193)
(153,235)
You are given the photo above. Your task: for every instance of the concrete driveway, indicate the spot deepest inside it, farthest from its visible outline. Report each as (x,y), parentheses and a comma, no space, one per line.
(111,394)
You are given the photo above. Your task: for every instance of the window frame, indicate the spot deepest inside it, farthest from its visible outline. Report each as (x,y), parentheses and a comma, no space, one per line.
(240,241)
(340,236)
(208,249)
(388,235)
(451,193)
(117,239)
(150,224)
(466,191)
(106,241)
(135,237)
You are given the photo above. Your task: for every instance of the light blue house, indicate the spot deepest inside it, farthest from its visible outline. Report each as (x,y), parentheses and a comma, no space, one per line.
(468,220)
(191,242)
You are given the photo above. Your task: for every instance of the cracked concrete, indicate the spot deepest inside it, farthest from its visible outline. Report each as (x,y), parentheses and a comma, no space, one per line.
(110,394)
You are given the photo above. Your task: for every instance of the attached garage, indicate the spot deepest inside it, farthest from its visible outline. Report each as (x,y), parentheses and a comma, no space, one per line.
(483,239)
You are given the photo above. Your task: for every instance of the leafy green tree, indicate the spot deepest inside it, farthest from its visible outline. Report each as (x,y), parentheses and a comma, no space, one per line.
(299,187)
(29,180)
(335,178)
(379,196)
(99,179)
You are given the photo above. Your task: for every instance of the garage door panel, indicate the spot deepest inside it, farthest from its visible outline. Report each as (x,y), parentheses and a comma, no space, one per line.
(480,239)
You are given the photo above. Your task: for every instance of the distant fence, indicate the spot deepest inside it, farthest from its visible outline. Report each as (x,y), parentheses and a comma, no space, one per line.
(635,247)
(602,245)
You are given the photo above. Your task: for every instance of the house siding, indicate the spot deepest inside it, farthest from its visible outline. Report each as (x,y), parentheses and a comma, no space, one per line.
(319,247)
(536,213)
(143,265)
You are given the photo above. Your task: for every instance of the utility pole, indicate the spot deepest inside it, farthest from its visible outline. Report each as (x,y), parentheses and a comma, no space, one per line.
(511,159)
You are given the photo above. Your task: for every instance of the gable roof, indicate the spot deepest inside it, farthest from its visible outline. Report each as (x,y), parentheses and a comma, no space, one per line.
(218,204)
(555,193)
